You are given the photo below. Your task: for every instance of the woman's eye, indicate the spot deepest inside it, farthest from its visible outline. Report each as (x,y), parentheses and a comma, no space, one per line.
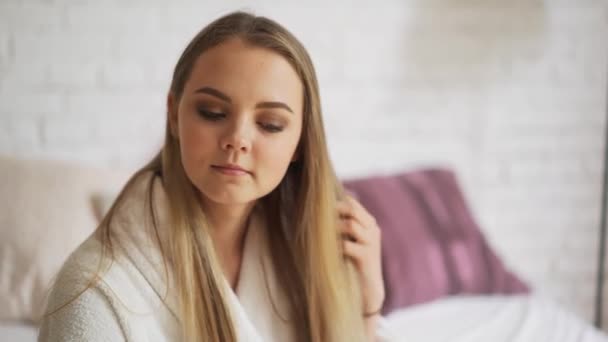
(216,116)
(271,128)
(211,116)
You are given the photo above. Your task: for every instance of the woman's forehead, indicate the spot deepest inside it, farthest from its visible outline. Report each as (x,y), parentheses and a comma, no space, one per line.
(245,72)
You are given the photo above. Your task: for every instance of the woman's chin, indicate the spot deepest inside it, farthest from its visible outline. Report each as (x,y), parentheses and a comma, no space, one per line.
(230,198)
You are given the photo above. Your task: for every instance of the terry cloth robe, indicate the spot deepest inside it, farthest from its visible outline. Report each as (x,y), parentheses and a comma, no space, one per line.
(135,302)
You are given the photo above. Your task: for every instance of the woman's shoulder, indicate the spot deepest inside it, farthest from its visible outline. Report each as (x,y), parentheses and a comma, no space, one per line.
(79,268)
(77,308)
(115,284)
(101,296)
(87,268)
(92,268)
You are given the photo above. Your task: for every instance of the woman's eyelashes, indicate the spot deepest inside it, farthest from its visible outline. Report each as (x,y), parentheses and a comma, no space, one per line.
(217,116)
(271,128)
(211,116)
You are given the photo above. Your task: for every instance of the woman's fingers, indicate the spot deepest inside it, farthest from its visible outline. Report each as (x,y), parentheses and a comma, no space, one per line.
(349,207)
(353,230)
(344,209)
(357,221)
(361,243)
(354,250)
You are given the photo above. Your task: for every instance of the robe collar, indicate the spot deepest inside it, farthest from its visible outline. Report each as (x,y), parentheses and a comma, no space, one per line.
(250,303)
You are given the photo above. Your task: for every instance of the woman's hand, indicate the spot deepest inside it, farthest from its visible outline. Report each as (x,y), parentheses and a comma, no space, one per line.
(361,242)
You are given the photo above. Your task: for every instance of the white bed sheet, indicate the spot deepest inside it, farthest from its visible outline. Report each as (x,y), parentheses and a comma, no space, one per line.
(529,318)
(17,332)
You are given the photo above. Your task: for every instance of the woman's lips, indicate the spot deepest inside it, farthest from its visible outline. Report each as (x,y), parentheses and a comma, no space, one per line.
(230,171)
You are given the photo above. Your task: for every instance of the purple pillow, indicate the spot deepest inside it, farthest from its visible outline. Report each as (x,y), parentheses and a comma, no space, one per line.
(431,245)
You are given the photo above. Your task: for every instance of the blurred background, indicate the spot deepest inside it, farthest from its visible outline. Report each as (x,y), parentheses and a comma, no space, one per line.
(509,94)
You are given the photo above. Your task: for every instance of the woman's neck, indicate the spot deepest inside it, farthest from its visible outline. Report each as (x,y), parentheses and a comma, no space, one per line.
(228,228)
(228,224)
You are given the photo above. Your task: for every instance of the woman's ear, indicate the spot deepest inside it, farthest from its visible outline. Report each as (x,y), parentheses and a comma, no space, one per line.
(172,117)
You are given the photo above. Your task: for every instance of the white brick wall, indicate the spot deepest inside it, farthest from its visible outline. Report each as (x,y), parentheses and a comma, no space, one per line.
(512,94)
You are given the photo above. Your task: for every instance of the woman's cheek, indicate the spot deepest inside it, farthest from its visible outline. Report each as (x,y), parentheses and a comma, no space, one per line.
(274,158)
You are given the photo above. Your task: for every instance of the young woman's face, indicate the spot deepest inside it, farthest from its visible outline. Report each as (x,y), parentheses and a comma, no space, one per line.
(241,107)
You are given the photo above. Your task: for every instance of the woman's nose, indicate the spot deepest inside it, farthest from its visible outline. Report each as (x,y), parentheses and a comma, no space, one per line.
(237,138)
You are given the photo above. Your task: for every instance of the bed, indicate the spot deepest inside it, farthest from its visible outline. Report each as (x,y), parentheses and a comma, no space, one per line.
(523,318)
(520,318)
(444,282)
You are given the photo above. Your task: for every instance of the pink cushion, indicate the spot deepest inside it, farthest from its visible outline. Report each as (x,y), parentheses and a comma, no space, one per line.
(431,245)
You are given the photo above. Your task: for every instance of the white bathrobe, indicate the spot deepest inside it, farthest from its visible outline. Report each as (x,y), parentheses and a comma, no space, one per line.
(132,301)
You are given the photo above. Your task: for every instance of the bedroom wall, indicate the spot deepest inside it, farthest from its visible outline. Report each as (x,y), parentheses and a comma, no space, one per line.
(510,94)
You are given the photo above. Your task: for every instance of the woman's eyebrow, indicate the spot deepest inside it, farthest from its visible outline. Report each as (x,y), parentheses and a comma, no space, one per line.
(266,104)
(273,104)
(214,92)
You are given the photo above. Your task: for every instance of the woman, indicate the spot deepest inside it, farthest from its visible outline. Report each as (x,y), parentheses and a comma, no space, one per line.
(238,230)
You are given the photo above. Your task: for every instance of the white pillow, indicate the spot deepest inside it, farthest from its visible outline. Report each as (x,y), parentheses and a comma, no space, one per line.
(46,211)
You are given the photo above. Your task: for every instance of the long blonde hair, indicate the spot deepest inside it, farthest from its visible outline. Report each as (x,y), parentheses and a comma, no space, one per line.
(305,245)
